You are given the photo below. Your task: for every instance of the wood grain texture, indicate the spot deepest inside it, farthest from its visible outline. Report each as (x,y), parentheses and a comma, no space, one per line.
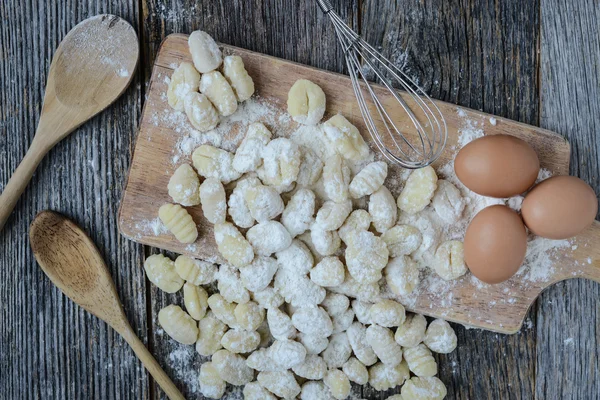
(49,347)
(568,315)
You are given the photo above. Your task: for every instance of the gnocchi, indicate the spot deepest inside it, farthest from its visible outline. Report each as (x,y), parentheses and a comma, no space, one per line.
(260,361)
(238,208)
(369,180)
(331,215)
(310,168)
(366,256)
(232,368)
(313,367)
(306,102)
(222,309)
(179,222)
(383,210)
(357,337)
(387,313)
(418,190)
(297,216)
(211,384)
(211,162)
(356,371)
(335,304)
(249,316)
(281,162)
(384,377)
(297,258)
(214,203)
(281,383)
(200,112)
(211,330)
(402,275)
(214,86)
(184,186)
(423,388)
(178,324)
(232,245)
(358,220)
(440,337)
(280,324)
(194,271)
(254,391)
(362,309)
(160,270)
(264,202)
(336,178)
(313,321)
(240,340)
(402,240)
(196,301)
(448,202)
(205,52)
(185,80)
(325,242)
(314,344)
(259,274)
(383,344)
(315,390)
(237,76)
(248,156)
(268,298)
(420,361)
(269,237)
(328,272)
(287,353)
(449,260)
(345,138)
(338,384)
(412,331)
(338,351)
(231,286)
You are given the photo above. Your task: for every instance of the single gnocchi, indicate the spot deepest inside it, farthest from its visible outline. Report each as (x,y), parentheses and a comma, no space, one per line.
(240,340)
(440,337)
(418,190)
(338,351)
(269,237)
(196,272)
(238,208)
(254,391)
(336,178)
(287,353)
(310,168)
(306,102)
(298,290)
(331,215)
(231,286)
(357,337)
(211,384)
(402,240)
(179,222)
(315,390)
(196,301)
(345,138)
(369,180)
(223,310)
(383,210)
(362,309)
(214,202)
(402,275)
(160,270)
(387,313)
(449,260)
(200,111)
(211,162)
(214,86)
(325,242)
(313,367)
(366,256)
(259,274)
(420,361)
(383,344)
(211,330)
(205,52)
(384,377)
(313,321)
(281,162)
(335,304)
(342,322)
(314,344)
(281,383)
(248,156)
(412,331)
(260,361)
(423,388)
(280,324)
(237,76)
(264,202)
(185,80)
(297,258)
(232,368)
(178,324)
(448,202)
(328,272)
(358,220)
(249,316)
(356,371)
(298,214)
(338,384)
(232,245)
(184,186)
(268,298)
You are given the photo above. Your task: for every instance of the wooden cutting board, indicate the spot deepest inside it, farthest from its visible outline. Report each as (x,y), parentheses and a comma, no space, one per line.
(500,308)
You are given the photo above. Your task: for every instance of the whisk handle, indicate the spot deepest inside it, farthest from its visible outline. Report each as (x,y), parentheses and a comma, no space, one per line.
(325,5)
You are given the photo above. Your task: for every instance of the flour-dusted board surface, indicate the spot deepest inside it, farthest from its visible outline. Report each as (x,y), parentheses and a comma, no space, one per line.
(166,141)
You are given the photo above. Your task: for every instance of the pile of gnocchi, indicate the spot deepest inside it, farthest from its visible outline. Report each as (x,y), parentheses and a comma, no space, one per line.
(299,311)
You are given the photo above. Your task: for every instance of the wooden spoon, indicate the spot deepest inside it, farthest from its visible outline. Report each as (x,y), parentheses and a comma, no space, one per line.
(72,262)
(92,67)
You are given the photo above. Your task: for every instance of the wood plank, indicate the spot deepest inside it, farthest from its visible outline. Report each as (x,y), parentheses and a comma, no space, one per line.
(50,348)
(483,55)
(568,315)
(294,30)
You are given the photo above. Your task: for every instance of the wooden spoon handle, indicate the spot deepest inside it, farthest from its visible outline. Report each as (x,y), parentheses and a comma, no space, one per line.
(150,363)
(588,254)
(19,180)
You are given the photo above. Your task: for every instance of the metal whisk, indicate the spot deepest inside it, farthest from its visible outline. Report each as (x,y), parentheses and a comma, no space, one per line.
(407,150)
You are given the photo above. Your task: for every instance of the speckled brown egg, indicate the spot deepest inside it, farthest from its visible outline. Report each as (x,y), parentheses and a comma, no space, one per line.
(495,244)
(497,166)
(560,207)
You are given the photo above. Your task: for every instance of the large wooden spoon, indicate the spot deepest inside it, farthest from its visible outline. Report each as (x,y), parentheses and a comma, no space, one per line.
(92,67)
(72,262)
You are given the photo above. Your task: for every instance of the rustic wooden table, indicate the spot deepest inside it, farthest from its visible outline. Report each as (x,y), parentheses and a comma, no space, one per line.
(535,61)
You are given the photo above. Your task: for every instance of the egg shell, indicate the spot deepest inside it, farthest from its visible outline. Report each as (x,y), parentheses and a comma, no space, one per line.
(560,207)
(497,166)
(495,244)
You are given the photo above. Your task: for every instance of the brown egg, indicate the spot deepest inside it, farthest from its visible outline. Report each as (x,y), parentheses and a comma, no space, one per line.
(497,166)
(560,207)
(495,244)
